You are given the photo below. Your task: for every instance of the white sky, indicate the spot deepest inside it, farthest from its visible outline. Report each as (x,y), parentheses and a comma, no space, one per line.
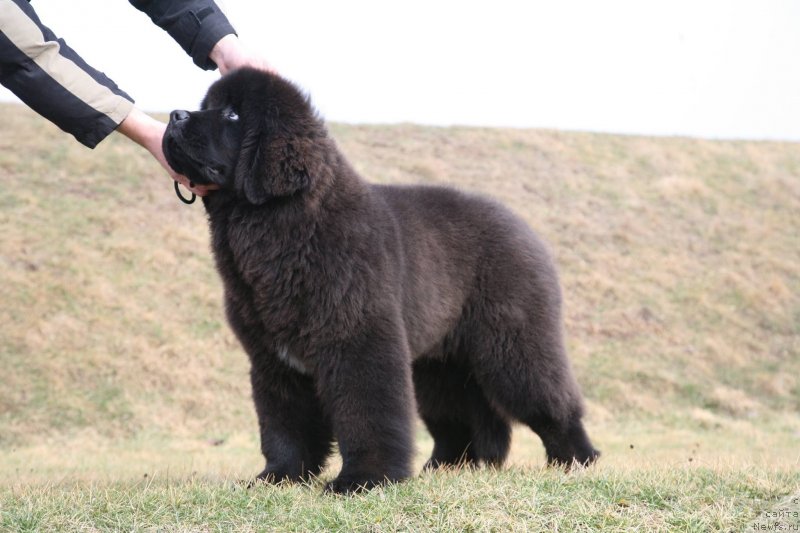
(709,68)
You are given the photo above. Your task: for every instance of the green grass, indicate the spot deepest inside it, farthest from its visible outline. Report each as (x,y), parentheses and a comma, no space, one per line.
(680,261)
(514,499)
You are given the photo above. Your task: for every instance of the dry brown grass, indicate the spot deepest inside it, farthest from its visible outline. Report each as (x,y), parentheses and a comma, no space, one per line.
(679,260)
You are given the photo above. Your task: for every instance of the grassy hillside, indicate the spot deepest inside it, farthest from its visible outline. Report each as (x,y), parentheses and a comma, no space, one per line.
(680,261)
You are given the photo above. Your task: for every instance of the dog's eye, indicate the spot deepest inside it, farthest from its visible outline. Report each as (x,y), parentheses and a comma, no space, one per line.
(231,115)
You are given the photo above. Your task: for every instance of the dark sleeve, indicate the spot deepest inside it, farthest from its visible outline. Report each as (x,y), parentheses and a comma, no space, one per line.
(53,80)
(196,25)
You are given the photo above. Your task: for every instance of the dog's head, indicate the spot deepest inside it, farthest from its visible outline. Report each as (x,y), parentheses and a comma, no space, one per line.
(254,135)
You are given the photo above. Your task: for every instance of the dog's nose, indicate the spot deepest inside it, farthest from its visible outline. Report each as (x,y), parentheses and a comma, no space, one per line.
(178,115)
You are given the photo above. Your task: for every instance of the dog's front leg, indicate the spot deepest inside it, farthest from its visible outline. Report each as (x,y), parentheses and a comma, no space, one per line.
(296,436)
(368,389)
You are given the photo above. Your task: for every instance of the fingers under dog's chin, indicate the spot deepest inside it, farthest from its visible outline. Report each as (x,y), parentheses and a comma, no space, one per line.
(204,190)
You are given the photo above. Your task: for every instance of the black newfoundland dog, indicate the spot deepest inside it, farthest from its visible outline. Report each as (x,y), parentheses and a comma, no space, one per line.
(358,303)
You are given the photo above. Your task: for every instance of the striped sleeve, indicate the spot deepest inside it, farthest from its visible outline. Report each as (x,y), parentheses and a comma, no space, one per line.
(53,80)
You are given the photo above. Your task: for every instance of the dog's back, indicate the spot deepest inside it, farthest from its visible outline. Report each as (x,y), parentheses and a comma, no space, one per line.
(460,251)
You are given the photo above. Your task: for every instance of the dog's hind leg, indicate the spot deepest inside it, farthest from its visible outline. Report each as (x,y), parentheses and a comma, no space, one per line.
(465,428)
(521,366)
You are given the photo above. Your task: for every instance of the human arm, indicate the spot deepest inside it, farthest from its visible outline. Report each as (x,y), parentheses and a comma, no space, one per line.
(196,25)
(203,31)
(53,80)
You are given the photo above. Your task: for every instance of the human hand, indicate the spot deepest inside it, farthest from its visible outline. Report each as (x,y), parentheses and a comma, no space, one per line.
(157,151)
(229,54)
(149,133)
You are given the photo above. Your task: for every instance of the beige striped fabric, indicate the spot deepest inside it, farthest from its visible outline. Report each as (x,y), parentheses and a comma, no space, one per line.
(24,33)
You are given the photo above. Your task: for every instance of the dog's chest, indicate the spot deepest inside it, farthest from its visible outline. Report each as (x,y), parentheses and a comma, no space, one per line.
(285,355)
(286,277)
(268,266)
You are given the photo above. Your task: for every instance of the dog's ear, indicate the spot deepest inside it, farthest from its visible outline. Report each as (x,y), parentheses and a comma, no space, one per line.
(273,167)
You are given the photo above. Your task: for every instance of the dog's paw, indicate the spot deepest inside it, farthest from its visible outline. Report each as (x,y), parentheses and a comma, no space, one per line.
(352,485)
(270,476)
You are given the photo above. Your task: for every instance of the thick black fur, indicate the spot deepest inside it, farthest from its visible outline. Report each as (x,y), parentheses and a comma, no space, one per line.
(354,300)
